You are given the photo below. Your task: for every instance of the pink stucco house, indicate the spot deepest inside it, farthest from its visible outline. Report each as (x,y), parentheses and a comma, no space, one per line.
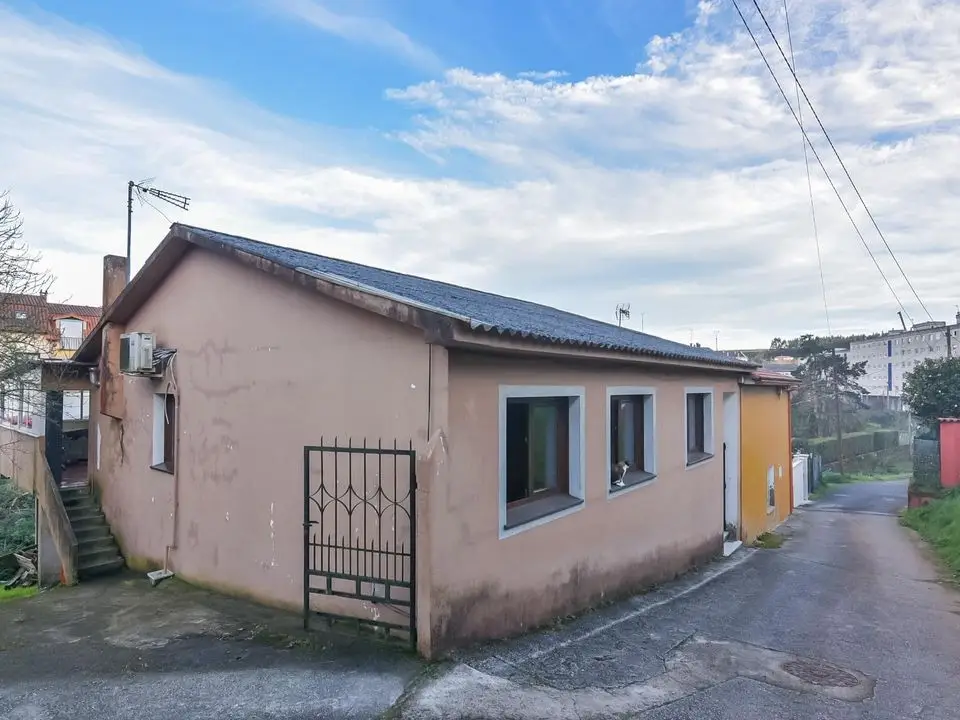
(339,439)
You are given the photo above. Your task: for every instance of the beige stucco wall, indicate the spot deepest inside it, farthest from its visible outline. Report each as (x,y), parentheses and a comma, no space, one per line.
(262,369)
(21,457)
(485,586)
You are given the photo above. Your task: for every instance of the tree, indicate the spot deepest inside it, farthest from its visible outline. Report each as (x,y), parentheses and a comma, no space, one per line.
(932,390)
(23,323)
(825,378)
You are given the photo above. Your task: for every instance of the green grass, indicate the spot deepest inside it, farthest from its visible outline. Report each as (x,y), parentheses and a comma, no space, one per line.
(938,522)
(17,593)
(768,541)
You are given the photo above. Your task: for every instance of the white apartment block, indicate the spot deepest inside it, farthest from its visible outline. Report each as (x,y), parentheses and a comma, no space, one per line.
(892,355)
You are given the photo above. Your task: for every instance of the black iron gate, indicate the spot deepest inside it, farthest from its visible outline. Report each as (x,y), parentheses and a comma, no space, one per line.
(360,534)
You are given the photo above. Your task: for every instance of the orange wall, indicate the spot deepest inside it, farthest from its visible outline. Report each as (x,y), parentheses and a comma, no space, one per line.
(764,442)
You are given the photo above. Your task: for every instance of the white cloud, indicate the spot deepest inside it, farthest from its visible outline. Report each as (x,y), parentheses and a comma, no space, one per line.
(679,187)
(365,29)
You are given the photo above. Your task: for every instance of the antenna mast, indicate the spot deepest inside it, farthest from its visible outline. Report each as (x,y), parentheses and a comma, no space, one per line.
(141,188)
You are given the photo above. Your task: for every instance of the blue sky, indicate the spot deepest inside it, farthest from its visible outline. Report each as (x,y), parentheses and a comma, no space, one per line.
(281,64)
(580,153)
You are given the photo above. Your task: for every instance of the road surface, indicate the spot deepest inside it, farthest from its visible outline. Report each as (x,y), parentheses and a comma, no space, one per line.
(847,620)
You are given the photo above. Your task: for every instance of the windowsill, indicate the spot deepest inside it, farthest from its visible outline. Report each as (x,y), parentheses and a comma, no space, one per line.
(540,508)
(163,467)
(771,510)
(695,458)
(632,480)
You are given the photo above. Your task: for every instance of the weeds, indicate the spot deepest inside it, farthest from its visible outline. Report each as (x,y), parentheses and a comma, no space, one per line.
(938,522)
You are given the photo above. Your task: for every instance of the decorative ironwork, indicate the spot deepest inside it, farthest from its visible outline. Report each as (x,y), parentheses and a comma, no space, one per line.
(359,534)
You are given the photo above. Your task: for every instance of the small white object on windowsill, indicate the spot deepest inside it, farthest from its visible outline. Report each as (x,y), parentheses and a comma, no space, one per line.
(621,467)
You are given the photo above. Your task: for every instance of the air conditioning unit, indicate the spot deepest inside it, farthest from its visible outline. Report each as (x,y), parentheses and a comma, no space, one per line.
(136,353)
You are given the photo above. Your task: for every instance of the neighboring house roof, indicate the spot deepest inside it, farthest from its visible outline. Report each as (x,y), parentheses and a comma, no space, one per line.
(763,376)
(481,312)
(39,312)
(80,311)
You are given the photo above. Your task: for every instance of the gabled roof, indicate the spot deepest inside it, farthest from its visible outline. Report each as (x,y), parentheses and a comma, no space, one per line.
(479,312)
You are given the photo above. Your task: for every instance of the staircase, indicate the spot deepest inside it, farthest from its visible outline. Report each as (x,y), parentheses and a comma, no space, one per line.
(97,550)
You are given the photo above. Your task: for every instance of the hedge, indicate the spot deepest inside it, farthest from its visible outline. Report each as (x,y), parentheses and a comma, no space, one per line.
(854,444)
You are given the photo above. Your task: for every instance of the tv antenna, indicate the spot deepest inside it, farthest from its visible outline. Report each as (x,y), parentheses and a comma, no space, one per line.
(142,190)
(623,311)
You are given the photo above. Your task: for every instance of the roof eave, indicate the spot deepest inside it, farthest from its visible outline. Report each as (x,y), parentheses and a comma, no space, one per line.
(467,338)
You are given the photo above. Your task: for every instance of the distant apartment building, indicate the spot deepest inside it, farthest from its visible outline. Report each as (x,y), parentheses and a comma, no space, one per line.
(892,355)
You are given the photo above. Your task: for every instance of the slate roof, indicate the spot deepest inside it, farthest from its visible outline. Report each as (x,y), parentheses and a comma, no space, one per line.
(482,310)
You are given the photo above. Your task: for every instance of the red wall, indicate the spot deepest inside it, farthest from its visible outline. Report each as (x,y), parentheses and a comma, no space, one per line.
(950,454)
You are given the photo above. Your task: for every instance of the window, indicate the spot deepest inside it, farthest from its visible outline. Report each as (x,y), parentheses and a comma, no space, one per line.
(164,431)
(771,490)
(20,315)
(630,431)
(699,425)
(541,453)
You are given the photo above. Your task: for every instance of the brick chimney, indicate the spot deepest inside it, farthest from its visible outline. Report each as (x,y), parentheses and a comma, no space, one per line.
(114,278)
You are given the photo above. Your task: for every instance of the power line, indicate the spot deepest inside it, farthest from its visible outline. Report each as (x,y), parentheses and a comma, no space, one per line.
(806,163)
(819,159)
(833,147)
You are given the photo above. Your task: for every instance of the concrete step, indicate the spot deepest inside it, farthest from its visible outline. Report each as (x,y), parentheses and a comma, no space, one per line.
(100,567)
(75,506)
(95,556)
(85,514)
(92,532)
(96,545)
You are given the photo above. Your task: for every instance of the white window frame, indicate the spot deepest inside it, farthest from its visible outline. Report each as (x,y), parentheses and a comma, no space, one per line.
(159,408)
(649,431)
(577,449)
(709,446)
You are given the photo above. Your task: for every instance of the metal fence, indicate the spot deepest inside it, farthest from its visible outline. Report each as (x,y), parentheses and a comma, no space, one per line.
(926,464)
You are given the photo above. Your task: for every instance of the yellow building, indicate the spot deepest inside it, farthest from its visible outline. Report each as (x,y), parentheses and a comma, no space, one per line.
(766,460)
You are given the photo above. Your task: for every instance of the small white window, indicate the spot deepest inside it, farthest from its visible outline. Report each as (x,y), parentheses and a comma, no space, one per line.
(771,490)
(699,424)
(541,454)
(21,315)
(164,432)
(631,452)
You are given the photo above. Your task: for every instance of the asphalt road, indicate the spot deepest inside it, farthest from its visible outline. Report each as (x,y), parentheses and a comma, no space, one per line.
(847,620)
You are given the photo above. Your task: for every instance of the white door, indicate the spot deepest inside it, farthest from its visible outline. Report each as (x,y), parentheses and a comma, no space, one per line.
(731,462)
(800,480)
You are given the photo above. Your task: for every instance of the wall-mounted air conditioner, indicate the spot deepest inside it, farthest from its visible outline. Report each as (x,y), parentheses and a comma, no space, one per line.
(136,353)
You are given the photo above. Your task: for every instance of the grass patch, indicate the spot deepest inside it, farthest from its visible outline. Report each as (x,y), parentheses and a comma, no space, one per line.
(18,593)
(938,522)
(768,541)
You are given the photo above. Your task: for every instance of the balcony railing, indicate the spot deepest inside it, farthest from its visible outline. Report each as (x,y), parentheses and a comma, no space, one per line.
(70,343)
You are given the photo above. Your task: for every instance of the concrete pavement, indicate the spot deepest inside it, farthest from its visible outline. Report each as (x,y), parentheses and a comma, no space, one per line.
(118,649)
(847,620)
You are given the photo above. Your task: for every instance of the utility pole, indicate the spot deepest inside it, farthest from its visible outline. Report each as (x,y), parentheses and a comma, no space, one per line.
(180,201)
